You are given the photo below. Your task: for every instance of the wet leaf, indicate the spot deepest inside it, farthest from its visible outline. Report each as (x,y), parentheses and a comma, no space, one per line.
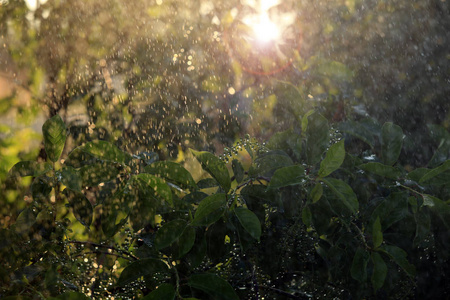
(391,143)
(215,167)
(333,159)
(317,137)
(357,130)
(423,225)
(169,233)
(316,192)
(292,175)
(173,173)
(97,172)
(213,285)
(249,221)
(70,296)
(435,172)
(164,291)
(238,170)
(210,210)
(107,152)
(377,234)
(82,208)
(29,168)
(344,193)
(379,271)
(140,268)
(41,188)
(382,170)
(54,131)
(399,257)
(358,269)
(70,178)
(269,162)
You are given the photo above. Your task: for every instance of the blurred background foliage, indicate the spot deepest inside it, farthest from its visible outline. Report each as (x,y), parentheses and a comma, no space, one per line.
(165,75)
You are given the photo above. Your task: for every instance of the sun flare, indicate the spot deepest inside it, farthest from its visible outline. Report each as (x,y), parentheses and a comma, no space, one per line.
(265,30)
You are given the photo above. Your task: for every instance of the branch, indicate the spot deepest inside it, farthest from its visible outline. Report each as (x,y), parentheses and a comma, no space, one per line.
(286,294)
(104,246)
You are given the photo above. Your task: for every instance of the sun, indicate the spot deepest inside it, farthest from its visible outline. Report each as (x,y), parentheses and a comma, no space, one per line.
(265,30)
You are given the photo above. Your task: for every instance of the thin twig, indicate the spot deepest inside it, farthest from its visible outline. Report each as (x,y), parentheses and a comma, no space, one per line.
(104,252)
(104,246)
(281,292)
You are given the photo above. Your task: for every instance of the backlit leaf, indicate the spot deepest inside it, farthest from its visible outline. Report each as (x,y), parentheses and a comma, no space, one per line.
(358,269)
(82,208)
(292,175)
(391,143)
(249,221)
(210,210)
(213,285)
(333,160)
(215,167)
(379,271)
(54,131)
(140,268)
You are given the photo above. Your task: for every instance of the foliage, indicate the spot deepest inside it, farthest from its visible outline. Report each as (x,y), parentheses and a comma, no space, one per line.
(292,224)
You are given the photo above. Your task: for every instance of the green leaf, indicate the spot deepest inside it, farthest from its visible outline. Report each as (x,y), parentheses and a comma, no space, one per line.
(70,178)
(356,129)
(442,137)
(377,234)
(97,172)
(423,225)
(107,152)
(249,221)
(215,167)
(115,211)
(164,291)
(358,270)
(379,271)
(207,183)
(41,188)
(316,193)
(169,233)
(334,69)
(269,162)
(238,170)
(158,186)
(317,137)
(195,197)
(140,268)
(307,216)
(441,210)
(185,242)
(29,168)
(213,285)
(54,131)
(391,143)
(210,210)
(24,221)
(399,257)
(147,194)
(173,173)
(435,172)
(344,192)
(70,296)
(292,175)
(390,210)
(78,158)
(82,208)
(288,141)
(333,160)
(382,170)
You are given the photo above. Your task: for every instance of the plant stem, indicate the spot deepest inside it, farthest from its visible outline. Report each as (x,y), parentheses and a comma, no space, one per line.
(104,246)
